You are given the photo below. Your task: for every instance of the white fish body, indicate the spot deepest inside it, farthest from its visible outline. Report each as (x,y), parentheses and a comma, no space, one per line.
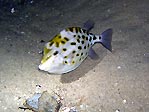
(66,51)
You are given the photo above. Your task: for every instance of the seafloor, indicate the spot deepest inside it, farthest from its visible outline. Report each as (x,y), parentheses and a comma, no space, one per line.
(116,82)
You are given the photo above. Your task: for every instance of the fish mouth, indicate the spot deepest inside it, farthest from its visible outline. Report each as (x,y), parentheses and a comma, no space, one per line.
(42,71)
(40,67)
(43,67)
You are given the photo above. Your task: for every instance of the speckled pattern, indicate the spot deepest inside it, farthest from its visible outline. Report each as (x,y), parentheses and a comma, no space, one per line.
(117,81)
(68,49)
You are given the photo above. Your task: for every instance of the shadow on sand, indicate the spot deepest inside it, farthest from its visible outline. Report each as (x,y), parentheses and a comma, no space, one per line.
(85,67)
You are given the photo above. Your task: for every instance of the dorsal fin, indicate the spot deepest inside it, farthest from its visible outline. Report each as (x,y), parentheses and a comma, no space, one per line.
(88,25)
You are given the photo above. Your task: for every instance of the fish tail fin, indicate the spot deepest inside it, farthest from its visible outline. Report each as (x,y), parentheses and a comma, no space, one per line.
(106,38)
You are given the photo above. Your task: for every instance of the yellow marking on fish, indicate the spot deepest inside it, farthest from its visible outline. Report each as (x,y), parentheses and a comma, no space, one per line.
(74,29)
(65,56)
(57,40)
(46,51)
(45,58)
(73,62)
(71,29)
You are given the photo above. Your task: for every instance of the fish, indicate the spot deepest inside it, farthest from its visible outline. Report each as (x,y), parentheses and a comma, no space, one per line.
(68,49)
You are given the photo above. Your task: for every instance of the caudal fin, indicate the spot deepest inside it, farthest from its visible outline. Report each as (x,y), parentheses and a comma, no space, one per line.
(106,38)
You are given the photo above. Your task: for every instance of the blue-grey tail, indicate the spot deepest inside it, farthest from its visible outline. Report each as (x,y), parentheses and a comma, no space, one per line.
(106,38)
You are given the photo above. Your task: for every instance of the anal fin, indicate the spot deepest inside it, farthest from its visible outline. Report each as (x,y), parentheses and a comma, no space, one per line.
(92,54)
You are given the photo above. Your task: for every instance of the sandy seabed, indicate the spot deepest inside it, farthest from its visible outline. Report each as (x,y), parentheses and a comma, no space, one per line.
(116,82)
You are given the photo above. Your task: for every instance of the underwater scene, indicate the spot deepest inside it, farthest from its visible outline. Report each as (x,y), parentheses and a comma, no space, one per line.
(74,55)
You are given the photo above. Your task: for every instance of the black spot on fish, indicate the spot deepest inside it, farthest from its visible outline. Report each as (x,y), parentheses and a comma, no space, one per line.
(74,35)
(76,30)
(90,33)
(59,36)
(80,59)
(99,37)
(82,42)
(79,36)
(86,38)
(81,54)
(73,43)
(65,62)
(88,45)
(79,47)
(73,51)
(63,42)
(66,38)
(71,29)
(84,31)
(78,40)
(51,43)
(94,38)
(73,62)
(64,49)
(65,56)
(84,47)
(55,53)
(90,39)
(83,36)
(57,44)
(77,54)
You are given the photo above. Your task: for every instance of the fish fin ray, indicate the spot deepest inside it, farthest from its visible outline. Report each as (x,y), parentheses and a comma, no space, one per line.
(106,38)
(88,25)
